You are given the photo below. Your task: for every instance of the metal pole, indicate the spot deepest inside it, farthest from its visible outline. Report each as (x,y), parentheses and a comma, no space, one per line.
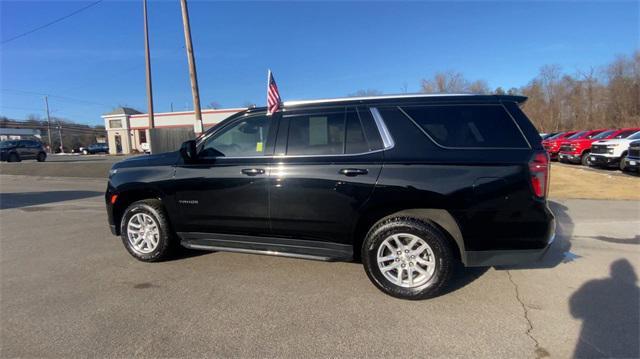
(46,104)
(60,134)
(148,66)
(199,127)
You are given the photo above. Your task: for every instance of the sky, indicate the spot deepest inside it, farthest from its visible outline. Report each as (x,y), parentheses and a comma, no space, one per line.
(93,61)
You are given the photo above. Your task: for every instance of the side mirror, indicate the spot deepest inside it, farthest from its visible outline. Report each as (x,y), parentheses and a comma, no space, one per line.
(188,151)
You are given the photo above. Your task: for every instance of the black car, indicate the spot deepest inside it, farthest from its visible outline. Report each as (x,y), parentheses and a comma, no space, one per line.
(632,161)
(18,150)
(96,148)
(410,185)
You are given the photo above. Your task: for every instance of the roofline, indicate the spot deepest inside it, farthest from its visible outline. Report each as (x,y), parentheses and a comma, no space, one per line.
(518,99)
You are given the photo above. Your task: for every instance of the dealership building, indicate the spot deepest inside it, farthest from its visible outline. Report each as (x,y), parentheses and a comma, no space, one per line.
(127,128)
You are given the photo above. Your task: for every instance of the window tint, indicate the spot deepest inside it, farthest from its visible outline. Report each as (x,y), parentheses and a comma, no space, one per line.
(242,139)
(370,129)
(577,135)
(468,126)
(603,134)
(316,134)
(635,136)
(356,140)
(625,134)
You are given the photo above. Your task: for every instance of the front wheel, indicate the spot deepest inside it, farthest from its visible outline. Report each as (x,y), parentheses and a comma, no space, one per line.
(408,258)
(41,157)
(585,159)
(623,164)
(85,152)
(146,232)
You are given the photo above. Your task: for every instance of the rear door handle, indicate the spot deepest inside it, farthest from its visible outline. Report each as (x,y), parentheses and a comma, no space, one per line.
(352,172)
(252,171)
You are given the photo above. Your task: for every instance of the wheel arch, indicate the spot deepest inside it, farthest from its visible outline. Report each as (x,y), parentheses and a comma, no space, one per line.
(127,197)
(437,216)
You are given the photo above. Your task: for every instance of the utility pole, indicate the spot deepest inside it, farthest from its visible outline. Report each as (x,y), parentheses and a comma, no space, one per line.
(60,134)
(192,67)
(46,105)
(148,65)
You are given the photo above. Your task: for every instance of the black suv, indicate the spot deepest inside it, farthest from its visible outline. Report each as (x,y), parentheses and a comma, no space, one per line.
(18,150)
(410,185)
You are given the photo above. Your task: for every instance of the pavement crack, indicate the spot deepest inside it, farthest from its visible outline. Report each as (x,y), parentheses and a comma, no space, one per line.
(540,352)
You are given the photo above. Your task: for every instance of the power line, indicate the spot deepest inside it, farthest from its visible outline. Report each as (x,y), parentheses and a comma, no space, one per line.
(51,22)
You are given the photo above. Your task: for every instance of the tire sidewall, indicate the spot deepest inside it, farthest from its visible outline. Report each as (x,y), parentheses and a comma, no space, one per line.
(427,233)
(163,239)
(41,157)
(585,159)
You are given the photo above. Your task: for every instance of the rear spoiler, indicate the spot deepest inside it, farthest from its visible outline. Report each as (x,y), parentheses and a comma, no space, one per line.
(520,100)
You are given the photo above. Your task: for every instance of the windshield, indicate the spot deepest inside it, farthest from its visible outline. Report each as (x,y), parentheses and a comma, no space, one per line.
(635,136)
(556,136)
(625,134)
(577,135)
(604,134)
(7,144)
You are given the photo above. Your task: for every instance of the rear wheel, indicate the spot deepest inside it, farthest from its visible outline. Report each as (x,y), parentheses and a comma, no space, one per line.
(146,232)
(13,158)
(408,258)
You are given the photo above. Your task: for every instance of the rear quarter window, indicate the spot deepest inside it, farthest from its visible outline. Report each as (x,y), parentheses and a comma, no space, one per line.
(467,126)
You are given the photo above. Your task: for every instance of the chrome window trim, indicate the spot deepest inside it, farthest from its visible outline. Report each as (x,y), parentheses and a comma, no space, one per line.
(297,156)
(467,148)
(387,140)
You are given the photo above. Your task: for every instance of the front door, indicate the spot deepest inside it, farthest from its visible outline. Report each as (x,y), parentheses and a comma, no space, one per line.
(328,171)
(225,189)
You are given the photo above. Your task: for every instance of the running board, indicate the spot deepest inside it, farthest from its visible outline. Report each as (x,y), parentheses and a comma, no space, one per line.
(275,246)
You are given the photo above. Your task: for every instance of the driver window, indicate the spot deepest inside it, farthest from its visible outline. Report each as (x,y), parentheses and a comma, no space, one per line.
(245,138)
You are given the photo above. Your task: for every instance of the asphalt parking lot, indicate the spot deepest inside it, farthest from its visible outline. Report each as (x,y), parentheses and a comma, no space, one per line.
(69,289)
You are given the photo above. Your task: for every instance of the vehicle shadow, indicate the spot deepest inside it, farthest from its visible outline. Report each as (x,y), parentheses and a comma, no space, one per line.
(25,199)
(560,249)
(610,313)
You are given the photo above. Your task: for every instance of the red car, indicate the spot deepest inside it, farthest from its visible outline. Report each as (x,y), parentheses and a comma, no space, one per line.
(552,144)
(575,148)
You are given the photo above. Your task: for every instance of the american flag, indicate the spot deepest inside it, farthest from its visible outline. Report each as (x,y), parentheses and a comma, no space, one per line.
(273,96)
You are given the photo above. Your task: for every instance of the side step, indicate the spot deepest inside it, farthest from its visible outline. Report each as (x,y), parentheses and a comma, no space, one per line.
(276,246)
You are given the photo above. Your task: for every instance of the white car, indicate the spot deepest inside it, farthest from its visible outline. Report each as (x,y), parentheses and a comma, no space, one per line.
(613,152)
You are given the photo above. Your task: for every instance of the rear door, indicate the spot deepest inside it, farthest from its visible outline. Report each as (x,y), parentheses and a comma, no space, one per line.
(326,167)
(24,150)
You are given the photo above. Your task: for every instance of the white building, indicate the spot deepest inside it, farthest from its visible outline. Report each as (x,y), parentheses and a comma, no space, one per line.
(127,129)
(18,133)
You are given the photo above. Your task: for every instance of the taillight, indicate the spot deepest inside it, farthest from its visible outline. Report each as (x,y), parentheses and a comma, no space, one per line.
(539,172)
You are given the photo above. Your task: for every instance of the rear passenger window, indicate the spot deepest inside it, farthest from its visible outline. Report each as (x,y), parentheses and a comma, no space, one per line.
(326,133)
(479,126)
(356,141)
(321,134)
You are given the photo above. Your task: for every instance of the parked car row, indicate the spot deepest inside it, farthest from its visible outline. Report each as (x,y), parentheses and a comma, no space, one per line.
(603,148)
(18,150)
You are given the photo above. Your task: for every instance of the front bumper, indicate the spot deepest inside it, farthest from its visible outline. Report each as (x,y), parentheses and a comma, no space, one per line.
(509,257)
(603,161)
(569,157)
(632,164)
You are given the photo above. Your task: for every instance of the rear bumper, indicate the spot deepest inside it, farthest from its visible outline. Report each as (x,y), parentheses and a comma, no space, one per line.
(509,257)
(604,161)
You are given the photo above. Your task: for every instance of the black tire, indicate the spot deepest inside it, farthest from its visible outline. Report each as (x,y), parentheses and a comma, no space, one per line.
(585,159)
(13,157)
(167,242)
(623,165)
(445,261)
(41,157)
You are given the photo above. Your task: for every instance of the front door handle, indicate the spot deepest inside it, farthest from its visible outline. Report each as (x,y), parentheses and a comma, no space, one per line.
(252,171)
(352,172)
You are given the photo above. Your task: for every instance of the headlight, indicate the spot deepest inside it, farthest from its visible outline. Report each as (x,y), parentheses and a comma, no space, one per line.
(613,145)
(112,172)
